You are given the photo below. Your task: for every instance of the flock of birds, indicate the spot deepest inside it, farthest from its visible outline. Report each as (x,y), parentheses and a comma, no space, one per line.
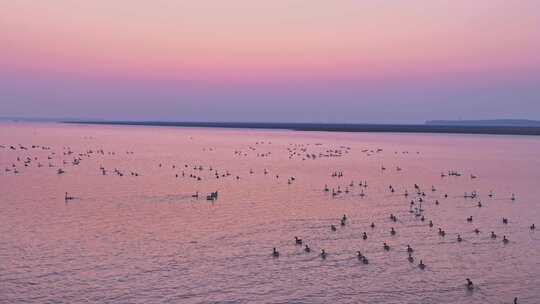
(61,160)
(415,208)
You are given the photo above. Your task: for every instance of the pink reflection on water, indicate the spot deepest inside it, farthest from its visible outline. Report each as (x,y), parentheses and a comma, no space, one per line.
(145,238)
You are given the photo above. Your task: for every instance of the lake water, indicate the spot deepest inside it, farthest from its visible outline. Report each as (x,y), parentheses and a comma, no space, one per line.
(142,237)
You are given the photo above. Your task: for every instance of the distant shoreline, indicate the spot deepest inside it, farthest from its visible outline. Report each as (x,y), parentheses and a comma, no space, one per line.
(374,128)
(487,123)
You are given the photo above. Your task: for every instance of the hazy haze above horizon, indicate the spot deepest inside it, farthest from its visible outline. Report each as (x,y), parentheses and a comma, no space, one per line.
(282,61)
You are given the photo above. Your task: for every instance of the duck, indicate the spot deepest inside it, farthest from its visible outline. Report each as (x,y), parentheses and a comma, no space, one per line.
(323,254)
(470,284)
(67,197)
(343,223)
(505,220)
(469,219)
(386,247)
(505,240)
(392,231)
(297,240)
(459,239)
(409,249)
(430,223)
(532,227)
(196,195)
(441,232)
(275,253)
(493,235)
(307,249)
(333,227)
(479,204)
(362,258)
(422,265)
(372,225)
(476,231)
(410,258)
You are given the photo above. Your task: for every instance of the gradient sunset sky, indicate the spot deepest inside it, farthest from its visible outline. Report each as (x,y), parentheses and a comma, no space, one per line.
(372,61)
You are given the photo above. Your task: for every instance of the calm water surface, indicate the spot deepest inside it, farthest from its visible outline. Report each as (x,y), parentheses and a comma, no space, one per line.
(145,239)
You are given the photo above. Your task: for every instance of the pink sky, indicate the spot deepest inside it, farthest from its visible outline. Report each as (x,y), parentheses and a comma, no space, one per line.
(246,42)
(214,39)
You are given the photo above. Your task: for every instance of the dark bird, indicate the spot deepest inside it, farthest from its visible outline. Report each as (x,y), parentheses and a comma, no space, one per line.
(470,285)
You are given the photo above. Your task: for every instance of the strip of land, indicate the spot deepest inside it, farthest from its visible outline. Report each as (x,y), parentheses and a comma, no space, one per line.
(390,128)
(487,123)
